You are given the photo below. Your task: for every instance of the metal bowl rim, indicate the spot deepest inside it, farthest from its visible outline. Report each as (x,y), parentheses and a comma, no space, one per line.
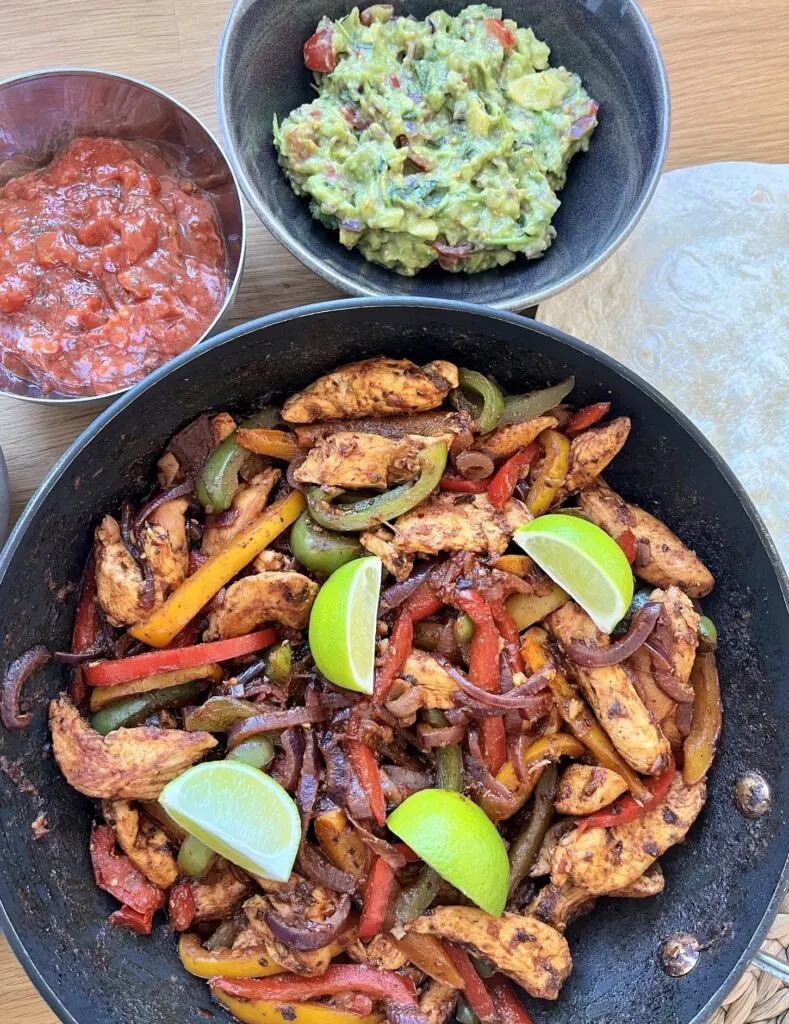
(349,284)
(385,303)
(233,286)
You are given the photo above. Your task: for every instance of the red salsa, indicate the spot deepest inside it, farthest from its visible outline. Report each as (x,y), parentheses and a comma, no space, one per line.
(111,263)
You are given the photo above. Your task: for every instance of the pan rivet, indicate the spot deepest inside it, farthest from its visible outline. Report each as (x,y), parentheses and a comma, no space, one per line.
(679,954)
(752,795)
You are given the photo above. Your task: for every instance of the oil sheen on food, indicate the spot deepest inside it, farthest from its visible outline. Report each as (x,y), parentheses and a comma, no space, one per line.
(439,140)
(111,263)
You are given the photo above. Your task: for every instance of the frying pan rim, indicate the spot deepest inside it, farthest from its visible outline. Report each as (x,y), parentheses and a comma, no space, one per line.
(386,303)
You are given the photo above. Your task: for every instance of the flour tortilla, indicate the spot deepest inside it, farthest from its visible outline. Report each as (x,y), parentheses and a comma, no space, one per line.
(697,302)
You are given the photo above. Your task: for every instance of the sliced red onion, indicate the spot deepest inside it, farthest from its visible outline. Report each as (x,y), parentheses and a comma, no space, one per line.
(271,721)
(312,934)
(100,648)
(684,718)
(392,597)
(226,518)
(659,656)
(406,780)
(380,847)
(497,796)
(287,766)
(601,657)
(520,697)
(439,736)
(338,772)
(405,707)
(474,465)
(178,491)
(290,473)
(318,869)
(355,800)
(672,686)
(309,779)
(17,674)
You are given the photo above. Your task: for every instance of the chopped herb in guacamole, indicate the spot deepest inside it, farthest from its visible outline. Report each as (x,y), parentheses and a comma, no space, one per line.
(445,139)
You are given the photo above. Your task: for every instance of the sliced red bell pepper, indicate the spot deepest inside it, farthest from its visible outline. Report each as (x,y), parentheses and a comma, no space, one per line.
(629,545)
(106,673)
(126,917)
(289,988)
(473,988)
(509,632)
(318,51)
(463,486)
(116,874)
(397,651)
(86,629)
(407,852)
(181,906)
(377,892)
(626,809)
(423,602)
(365,765)
(586,417)
(502,486)
(497,28)
(484,671)
(509,1008)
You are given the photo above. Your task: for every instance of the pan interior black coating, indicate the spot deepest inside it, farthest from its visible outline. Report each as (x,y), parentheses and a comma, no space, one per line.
(719,884)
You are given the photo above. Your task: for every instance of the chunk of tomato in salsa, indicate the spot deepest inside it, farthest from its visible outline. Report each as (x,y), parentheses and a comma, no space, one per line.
(319,52)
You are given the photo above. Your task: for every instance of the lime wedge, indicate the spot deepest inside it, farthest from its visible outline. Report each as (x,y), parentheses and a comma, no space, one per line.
(239,813)
(343,624)
(459,841)
(584,561)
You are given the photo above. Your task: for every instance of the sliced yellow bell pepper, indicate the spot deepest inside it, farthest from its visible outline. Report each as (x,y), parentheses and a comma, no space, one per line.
(198,589)
(259,1011)
(517,565)
(551,474)
(341,843)
(279,444)
(100,696)
(226,963)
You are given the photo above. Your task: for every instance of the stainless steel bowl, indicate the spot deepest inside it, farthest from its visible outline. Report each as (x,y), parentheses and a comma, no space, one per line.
(44,110)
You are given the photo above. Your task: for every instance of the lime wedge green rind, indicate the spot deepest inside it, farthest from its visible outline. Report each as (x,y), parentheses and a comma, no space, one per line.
(584,561)
(343,624)
(238,812)
(458,840)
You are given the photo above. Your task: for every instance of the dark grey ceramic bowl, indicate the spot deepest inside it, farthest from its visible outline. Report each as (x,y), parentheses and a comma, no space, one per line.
(5,499)
(608,42)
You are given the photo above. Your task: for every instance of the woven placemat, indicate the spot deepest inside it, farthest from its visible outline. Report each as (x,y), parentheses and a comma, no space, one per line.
(759,997)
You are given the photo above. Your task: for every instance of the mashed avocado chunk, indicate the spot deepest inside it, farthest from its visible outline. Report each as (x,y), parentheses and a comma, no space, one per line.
(445,139)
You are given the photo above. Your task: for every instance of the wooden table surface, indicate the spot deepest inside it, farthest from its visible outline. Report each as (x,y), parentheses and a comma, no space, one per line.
(727,66)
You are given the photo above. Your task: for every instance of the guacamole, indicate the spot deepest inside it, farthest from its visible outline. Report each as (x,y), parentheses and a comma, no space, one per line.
(445,139)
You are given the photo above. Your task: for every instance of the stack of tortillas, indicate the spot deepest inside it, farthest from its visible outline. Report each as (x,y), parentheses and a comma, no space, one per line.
(697,302)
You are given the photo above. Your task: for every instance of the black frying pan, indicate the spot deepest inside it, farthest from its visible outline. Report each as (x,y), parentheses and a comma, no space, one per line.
(722,884)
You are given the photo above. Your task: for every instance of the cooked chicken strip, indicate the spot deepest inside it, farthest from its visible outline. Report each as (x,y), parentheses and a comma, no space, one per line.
(220,893)
(602,860)
(380,953)
(135,764)
(507,440)
(120,586)
(530,952)
(273,561)
(372,387)
(592,450)
(437,1002)
(143,842)
(423,674)
(612,695)
(665,560)
(676,633)
(544,859)
(560,905)
(649,884)
(249,603)
(249,500)
(364,461)
(423,424)
(585,788)
(459,522)
(381,542)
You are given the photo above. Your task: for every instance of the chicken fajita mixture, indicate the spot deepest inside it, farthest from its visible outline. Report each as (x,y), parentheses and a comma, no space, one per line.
(379,690)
